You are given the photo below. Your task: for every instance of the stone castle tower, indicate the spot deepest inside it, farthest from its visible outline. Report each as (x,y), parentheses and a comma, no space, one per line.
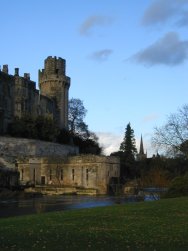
(54,84)
(19,96)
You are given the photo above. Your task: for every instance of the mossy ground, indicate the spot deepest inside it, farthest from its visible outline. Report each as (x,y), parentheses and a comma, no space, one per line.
(159,225)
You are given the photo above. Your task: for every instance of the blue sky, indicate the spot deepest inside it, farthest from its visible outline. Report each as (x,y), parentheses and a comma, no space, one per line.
(127,59)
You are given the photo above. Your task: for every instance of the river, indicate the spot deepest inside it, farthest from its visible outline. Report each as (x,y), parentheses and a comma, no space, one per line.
(16,207)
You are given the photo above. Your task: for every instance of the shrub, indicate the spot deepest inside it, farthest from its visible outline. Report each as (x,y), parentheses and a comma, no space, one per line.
(178,187)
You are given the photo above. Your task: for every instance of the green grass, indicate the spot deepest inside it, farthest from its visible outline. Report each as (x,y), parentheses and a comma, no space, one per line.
(159,225)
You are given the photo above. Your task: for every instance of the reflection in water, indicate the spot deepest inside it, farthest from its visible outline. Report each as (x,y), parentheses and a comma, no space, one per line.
(58,203)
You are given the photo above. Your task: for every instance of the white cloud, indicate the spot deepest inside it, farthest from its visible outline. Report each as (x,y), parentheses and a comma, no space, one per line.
(110,142)
(169,50)
(93,21)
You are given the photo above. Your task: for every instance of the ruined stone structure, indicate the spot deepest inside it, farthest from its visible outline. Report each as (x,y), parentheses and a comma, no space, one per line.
(75,172)
(19,95)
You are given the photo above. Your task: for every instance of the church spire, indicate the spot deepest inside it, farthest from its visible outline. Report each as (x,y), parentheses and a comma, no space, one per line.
(141,146)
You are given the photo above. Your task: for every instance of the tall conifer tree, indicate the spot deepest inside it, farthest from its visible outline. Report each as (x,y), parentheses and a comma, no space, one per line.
(128,146)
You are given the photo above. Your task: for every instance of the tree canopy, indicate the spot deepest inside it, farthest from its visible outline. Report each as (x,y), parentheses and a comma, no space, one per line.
(128,145)
(44,128)
(173,136)
(77,113)
(40,127)
(80,133)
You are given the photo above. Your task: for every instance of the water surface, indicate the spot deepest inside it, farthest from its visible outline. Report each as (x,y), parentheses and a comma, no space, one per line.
(15,207)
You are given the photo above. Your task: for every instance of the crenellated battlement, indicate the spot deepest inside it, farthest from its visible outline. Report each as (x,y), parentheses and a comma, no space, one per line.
(54,84)
(53,67)
(16,72)
(19,96)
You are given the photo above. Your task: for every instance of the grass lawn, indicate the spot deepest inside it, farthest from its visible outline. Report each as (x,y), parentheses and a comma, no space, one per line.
(159,225)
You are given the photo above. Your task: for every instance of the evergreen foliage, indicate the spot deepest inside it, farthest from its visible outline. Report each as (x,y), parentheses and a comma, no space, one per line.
(127,155)
(128,146)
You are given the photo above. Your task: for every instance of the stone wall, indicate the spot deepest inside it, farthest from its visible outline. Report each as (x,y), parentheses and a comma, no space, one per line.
(83,171)
(14,148)
(54,84)
(19,96)
(7,99)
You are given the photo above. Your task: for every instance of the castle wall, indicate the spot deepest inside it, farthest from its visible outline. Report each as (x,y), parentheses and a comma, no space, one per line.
(19,96)
(55,84)
(47,107)
(20,147)
(7,86)
(84,171)
(26,96)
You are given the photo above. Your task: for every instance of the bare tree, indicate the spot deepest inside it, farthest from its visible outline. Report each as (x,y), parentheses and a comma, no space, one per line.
(173,136)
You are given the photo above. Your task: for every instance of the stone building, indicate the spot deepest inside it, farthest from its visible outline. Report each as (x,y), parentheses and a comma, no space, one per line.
(48,165)
(76,173)
(141,155)
(19,95)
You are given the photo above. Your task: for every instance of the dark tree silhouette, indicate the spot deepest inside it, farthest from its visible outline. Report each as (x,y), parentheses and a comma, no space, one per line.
(77,113)
(128,146)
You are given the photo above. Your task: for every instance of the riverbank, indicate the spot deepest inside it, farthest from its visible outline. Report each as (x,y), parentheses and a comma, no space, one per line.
(158,225)
(17,194)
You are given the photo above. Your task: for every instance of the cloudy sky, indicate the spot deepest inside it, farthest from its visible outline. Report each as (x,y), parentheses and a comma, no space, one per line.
(127,59)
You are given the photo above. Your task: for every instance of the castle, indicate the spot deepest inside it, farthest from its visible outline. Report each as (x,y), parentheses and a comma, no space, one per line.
(19,96)
(49,166)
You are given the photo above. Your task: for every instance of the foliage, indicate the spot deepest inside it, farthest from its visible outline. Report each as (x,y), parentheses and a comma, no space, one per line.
(128,146)
(40,127)
(23,127)
(80,134)
(176,166)
(127,155)
(155,177)
(159,225)
(159,171)
(77,113)
(44,128)
(87,146)
(64,137)
(178,187)
(173,136)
